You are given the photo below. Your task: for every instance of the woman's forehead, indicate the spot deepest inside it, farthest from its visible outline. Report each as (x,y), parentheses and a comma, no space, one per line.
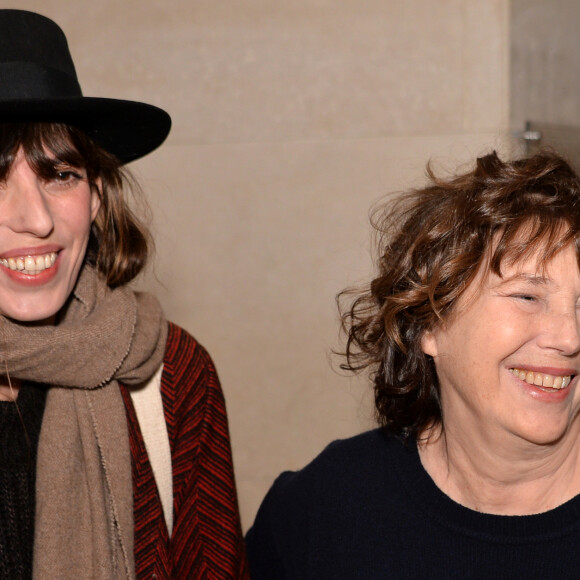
(533,244)
(534,267)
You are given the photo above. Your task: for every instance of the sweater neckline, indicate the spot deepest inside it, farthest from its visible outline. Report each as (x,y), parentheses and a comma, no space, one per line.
(20,424)
(425,494)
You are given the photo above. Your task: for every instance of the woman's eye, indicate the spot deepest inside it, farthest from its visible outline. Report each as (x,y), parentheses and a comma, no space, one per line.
(64,178)
(68,175)
(526,297)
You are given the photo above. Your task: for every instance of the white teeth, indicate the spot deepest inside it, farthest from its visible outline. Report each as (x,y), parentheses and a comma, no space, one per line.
(30,265)
(542,379)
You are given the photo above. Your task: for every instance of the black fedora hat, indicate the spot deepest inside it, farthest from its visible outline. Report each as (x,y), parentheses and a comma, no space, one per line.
(38,82)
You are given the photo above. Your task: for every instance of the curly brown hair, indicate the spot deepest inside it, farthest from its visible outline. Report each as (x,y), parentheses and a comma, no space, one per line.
(431,244)
(119,242)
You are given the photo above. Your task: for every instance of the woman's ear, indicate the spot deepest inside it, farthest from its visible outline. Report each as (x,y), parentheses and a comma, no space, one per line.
(96,198)
(429,343)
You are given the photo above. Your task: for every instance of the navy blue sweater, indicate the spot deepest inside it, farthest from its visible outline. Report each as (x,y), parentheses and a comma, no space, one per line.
(365,508)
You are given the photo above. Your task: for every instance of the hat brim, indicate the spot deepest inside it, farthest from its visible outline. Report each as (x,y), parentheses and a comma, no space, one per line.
(128,129)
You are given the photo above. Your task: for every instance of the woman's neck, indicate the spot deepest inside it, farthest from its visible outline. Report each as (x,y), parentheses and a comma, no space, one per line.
(518,479)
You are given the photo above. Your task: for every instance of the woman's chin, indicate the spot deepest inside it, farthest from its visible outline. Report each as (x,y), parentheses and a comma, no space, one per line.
(50,321)
(32,317)
(550,433)
(35,308)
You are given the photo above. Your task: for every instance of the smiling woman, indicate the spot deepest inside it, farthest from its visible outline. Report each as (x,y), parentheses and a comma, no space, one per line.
(504,362)
(471,333)
(114,441)
(47,207)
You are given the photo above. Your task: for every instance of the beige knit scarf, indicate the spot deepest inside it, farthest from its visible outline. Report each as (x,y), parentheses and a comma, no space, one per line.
(84,511)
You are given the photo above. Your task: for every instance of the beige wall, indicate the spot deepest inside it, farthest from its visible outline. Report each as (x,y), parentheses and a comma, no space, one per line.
(544,81)
(290,119)
(545,62)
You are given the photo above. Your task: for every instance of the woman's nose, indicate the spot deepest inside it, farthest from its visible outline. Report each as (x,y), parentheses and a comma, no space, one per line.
(24,206)
(562,332)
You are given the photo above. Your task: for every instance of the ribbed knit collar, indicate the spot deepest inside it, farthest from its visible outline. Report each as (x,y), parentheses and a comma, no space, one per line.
(424,493)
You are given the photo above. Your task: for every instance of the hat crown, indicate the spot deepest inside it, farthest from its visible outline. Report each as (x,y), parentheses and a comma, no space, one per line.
(35,61)
(30,37)
(38,83)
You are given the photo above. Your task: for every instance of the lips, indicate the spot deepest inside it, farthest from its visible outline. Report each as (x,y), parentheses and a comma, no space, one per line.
(546,380)
(31,265)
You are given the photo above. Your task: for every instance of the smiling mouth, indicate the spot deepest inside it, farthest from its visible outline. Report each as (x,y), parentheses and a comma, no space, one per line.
(556,382)
(30,265)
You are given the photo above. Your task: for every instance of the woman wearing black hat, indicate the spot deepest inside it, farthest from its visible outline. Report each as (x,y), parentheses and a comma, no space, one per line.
(114,451)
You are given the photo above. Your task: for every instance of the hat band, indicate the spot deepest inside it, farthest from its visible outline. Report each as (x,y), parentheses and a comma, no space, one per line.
(19,81)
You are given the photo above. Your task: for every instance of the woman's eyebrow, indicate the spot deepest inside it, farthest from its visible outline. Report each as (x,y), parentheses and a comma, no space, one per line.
(529,278)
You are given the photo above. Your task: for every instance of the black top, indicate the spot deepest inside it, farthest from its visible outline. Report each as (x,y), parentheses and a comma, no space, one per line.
(19,430)
(365,508)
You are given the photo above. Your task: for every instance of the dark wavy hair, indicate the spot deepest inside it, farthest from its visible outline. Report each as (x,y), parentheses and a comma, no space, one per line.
(119,242)
(431,244)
